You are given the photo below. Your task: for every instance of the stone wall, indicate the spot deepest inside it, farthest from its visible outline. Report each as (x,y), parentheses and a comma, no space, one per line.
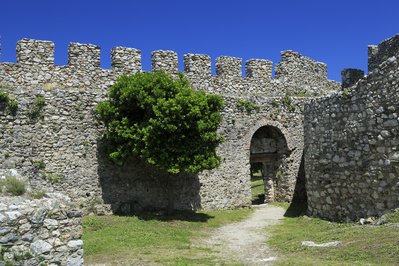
(40,232)
(59,149)
(352,146)
(381,52)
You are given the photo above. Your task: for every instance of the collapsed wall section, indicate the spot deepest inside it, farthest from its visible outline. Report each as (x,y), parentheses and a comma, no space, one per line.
(377,54)
(304,74)
(352,148)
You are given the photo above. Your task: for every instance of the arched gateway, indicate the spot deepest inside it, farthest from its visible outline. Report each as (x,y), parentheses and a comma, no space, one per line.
(268,151)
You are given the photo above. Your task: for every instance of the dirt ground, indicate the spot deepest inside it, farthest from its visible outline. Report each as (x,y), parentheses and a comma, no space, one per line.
(246,241)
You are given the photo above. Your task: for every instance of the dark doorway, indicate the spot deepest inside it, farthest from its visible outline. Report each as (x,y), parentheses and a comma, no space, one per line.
(268,151)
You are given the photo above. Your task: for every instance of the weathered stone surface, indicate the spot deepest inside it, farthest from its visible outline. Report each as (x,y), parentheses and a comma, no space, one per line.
(38,216)
(4,230)
(74,213)
(351,145)
(75,244)
(51,239)
(39,247)
(13,215)
(8,238)
(50,224)
(74,261)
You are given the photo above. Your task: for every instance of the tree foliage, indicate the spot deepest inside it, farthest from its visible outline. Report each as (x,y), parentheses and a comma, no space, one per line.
(163,121)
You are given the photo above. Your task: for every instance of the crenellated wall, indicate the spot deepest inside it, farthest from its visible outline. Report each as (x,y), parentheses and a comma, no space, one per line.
(294,73)
(66,135)
(352,143)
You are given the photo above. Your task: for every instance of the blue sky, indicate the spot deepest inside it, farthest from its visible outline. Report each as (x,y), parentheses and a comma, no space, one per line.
(335,32)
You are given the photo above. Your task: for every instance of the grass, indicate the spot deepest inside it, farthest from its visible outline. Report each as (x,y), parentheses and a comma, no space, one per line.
(13,186)
(152,240)
(360,245)
(258,190)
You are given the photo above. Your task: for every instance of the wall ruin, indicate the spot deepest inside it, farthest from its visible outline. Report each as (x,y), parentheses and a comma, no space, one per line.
(352,143)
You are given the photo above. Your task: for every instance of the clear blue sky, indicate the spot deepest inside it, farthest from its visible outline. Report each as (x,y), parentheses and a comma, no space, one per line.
(336,32)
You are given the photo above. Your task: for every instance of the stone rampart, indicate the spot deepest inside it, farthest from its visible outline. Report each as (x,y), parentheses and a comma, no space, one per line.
(352,146)
(59,147)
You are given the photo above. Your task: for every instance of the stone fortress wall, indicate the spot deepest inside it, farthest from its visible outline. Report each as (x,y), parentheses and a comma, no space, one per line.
(345,141)
(60,150)
(40,232)
(352,142)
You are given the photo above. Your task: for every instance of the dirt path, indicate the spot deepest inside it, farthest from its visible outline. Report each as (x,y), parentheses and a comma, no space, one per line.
(246,241)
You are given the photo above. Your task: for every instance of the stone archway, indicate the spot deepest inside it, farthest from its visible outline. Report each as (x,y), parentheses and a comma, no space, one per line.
(268,150)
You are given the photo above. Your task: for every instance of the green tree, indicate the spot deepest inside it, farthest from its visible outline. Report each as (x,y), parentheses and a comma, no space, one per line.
(163,121)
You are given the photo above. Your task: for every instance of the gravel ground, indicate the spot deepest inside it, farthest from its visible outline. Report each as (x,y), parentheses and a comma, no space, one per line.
(246,241)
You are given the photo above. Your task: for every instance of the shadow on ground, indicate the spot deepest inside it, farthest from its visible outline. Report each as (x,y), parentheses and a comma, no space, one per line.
(259,200)
(188,216)
(296,209)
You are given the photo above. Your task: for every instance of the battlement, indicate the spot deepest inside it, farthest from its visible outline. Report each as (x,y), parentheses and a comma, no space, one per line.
(381,52)
(34,52)
(294,66)
(294,69)
(126,60)
(38,52)
(83,55)
(259,69)
(197,64)
(164,60)
(228,67)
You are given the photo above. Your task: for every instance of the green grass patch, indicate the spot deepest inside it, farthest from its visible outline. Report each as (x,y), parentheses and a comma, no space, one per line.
(151,239)
(13,186)
(257,190)
(360,245)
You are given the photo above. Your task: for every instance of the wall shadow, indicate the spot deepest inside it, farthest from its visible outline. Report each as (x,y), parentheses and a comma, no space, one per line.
(299,203)
(296,209)
(137,187)
(189,216)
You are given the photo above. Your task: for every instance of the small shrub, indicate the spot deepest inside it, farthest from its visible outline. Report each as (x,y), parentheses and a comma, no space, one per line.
(346,92)
(37,194)
(3,97)
(12,106)
(275,103)
(305,94)
(37,107)
(22,256)
(14,186)
(287,102)
(393,217)
(7,102)
(40,165)
(246,105)
(49,87)
(54,178)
